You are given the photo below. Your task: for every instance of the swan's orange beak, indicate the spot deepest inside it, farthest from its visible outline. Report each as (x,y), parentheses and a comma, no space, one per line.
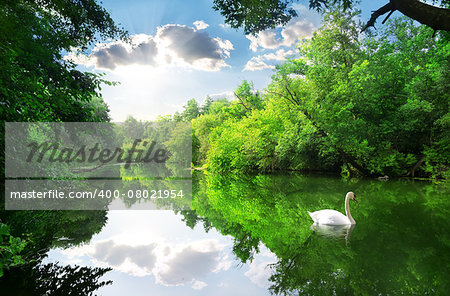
(354,198)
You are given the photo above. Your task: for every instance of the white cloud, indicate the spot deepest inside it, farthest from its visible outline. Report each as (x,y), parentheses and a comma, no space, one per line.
(225,45)
(258,63)
(200,25)
(172,45)
(116,254)
(279,55)
(298,28)
(199,285)
(226,94)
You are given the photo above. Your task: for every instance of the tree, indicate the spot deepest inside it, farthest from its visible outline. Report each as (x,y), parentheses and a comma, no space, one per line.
(258,15)
(381,103)
(202,127)
(248,97)
(191,110)
(132,129)
(206,105)
(218,105)
(36,83)
(370,106)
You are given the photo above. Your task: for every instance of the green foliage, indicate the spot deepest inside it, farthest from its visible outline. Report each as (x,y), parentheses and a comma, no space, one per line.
(255,16)
(132,129)
(366,106)
(191,110)
(10,249)
(38,84)
(53,279)
(43,86)
(26,236)
(202,127)
(218,106)
(248,97)
(245,144)
(372,106)
(207,105)
(180,144)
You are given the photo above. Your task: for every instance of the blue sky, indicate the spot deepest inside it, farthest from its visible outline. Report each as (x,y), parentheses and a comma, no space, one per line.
(183,50)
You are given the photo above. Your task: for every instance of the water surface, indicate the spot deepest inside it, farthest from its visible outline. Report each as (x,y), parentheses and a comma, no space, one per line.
(252,235)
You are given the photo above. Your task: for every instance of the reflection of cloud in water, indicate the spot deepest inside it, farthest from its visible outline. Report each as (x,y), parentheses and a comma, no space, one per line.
(116,254)
(172,265)
(191,262)
(259,270)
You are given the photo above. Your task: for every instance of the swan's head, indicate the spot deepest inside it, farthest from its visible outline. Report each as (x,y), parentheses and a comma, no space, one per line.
(351,195)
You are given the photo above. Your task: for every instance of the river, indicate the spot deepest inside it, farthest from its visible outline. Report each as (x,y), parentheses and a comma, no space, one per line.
(252,235)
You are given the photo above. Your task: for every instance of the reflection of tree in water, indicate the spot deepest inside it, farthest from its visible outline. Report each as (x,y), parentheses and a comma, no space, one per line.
(48,229)
(52,279)
(136,178)
(42,231)
(400,244)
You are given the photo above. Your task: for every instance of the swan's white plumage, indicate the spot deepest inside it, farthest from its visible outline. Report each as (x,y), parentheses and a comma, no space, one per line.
(329,217)
(332,217)
(333,231)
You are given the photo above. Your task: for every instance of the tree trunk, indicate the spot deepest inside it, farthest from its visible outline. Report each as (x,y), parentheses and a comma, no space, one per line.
(436,18)
(416,166)
(346,157)
(432,16)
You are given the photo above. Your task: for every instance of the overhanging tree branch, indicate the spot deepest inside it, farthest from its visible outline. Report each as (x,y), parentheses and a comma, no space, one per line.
(435,17)
(282,95)
(259,15)
(377,13)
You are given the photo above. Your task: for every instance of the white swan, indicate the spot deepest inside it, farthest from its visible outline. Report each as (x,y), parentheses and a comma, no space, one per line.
(332,217)
(333,231)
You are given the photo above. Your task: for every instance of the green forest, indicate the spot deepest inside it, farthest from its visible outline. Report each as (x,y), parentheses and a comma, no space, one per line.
(368,104)
(362,105)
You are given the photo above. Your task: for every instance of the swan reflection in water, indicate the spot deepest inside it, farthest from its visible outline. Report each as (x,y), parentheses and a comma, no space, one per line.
(333,231)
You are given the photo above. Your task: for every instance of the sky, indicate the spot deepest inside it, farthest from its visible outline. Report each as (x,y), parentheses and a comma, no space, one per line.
(181,49)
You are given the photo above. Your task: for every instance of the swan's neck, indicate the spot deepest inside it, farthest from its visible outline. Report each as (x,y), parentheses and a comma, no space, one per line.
(347,210)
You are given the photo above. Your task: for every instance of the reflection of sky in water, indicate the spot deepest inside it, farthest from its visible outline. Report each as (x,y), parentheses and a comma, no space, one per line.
(155,252)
